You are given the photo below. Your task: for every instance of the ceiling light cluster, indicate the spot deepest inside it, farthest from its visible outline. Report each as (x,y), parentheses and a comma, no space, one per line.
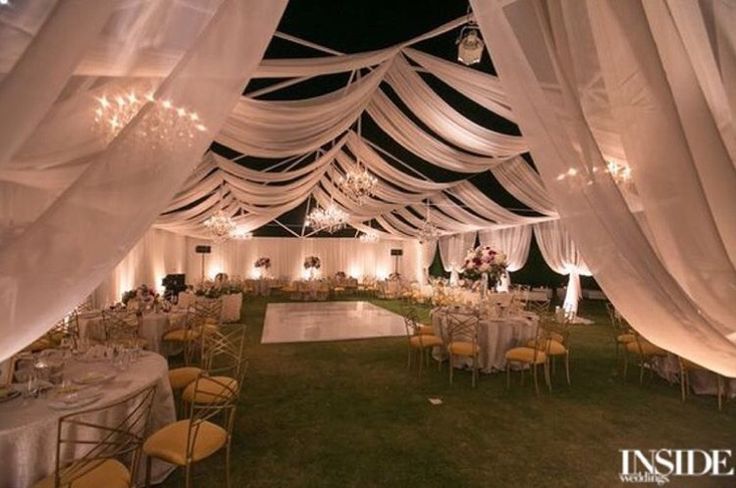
(368,237)
(165,124)
(358,184)
(329,219)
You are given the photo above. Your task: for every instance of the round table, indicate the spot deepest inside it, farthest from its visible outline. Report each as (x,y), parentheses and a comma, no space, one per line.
(496,335)
(28,427)
(153,325)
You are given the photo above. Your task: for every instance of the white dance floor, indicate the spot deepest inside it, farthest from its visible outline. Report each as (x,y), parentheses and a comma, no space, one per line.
(328,321)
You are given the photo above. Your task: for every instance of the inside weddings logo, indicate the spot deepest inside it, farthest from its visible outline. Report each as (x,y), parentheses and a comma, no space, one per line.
(658,466)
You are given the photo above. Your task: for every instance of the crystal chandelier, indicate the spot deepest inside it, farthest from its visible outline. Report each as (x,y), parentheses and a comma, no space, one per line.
(241,235)
(358,184)
(165,124)
(368,237)
(329,219)
(220,226)
(428,232)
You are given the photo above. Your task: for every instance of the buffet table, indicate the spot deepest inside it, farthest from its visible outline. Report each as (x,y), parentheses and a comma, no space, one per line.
(496,335)
(28,426)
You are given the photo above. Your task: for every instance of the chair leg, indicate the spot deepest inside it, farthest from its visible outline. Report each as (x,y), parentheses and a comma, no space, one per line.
(227,463)
(508,375)
(534,376)
(451,368)
(567,367)
(683,384)
(547,377)
(626,364)
(148,471)
(420,353)
(475,370)
(188,475)
(720,392)
(641,371)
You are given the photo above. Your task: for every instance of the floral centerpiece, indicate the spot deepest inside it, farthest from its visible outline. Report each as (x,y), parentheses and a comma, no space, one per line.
(394,276)
(263,262)
(483,261)
(143,294)
(340,275)
(312,262)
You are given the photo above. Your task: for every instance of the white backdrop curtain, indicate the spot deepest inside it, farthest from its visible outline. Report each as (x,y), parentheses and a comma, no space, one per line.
(568,67)
(562,255)
(287,257)
(115,200)
(453,249)
(513,241)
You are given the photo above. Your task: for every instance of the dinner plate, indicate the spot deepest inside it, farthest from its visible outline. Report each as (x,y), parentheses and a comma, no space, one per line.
(77,401)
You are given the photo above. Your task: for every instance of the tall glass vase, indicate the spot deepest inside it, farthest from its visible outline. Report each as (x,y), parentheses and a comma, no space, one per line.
(483,285)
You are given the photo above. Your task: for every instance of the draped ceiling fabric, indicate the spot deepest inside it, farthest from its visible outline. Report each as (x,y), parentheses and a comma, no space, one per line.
(659,75)
(88,224)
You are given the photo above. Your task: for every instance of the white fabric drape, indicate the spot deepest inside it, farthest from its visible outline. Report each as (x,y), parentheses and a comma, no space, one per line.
(512,241)
(117,197)
(562,255)
(567,66)
(453,250)
(287,258)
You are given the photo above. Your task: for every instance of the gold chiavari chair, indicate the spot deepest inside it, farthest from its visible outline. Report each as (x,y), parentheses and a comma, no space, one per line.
(557,342)
(111,450)
(532,357)
(223,360)
(622,333)
(207,430)
(419,340)
(646,352)
(122,327)
(461,335)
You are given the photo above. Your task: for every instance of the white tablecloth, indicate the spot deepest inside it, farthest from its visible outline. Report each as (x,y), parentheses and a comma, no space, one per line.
(495,337)
(231,305)
(701,382)
(28,428)
(153,325)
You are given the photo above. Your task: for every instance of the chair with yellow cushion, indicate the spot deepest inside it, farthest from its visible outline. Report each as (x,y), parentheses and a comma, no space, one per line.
(558,334)
(461,334)
(532,357)
(646,352)
(223,363)
(111,451)
(207,430)
(418,340)
(622,333)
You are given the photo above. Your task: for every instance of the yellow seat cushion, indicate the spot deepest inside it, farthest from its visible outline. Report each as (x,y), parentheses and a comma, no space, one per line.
(460,348)
(626,338)
(647,348)
(181,335)
(424,340)
(109,473)
(181,377)
(210,390)
(525,355)
(170,443)
(425,329)
(556,348)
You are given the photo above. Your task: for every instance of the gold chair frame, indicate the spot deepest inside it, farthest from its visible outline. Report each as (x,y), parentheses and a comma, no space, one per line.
(411,324)
(123,440)
(462,325)
(121,326)
(541,336)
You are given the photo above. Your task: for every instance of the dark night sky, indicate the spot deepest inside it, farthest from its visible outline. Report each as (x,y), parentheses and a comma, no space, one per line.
(352,26)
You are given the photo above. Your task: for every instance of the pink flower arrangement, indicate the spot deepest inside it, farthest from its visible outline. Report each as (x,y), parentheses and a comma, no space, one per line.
(484,261)
(263,262)
(312,262)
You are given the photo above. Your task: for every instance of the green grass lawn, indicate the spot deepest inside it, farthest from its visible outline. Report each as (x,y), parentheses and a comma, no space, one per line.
(349,414)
